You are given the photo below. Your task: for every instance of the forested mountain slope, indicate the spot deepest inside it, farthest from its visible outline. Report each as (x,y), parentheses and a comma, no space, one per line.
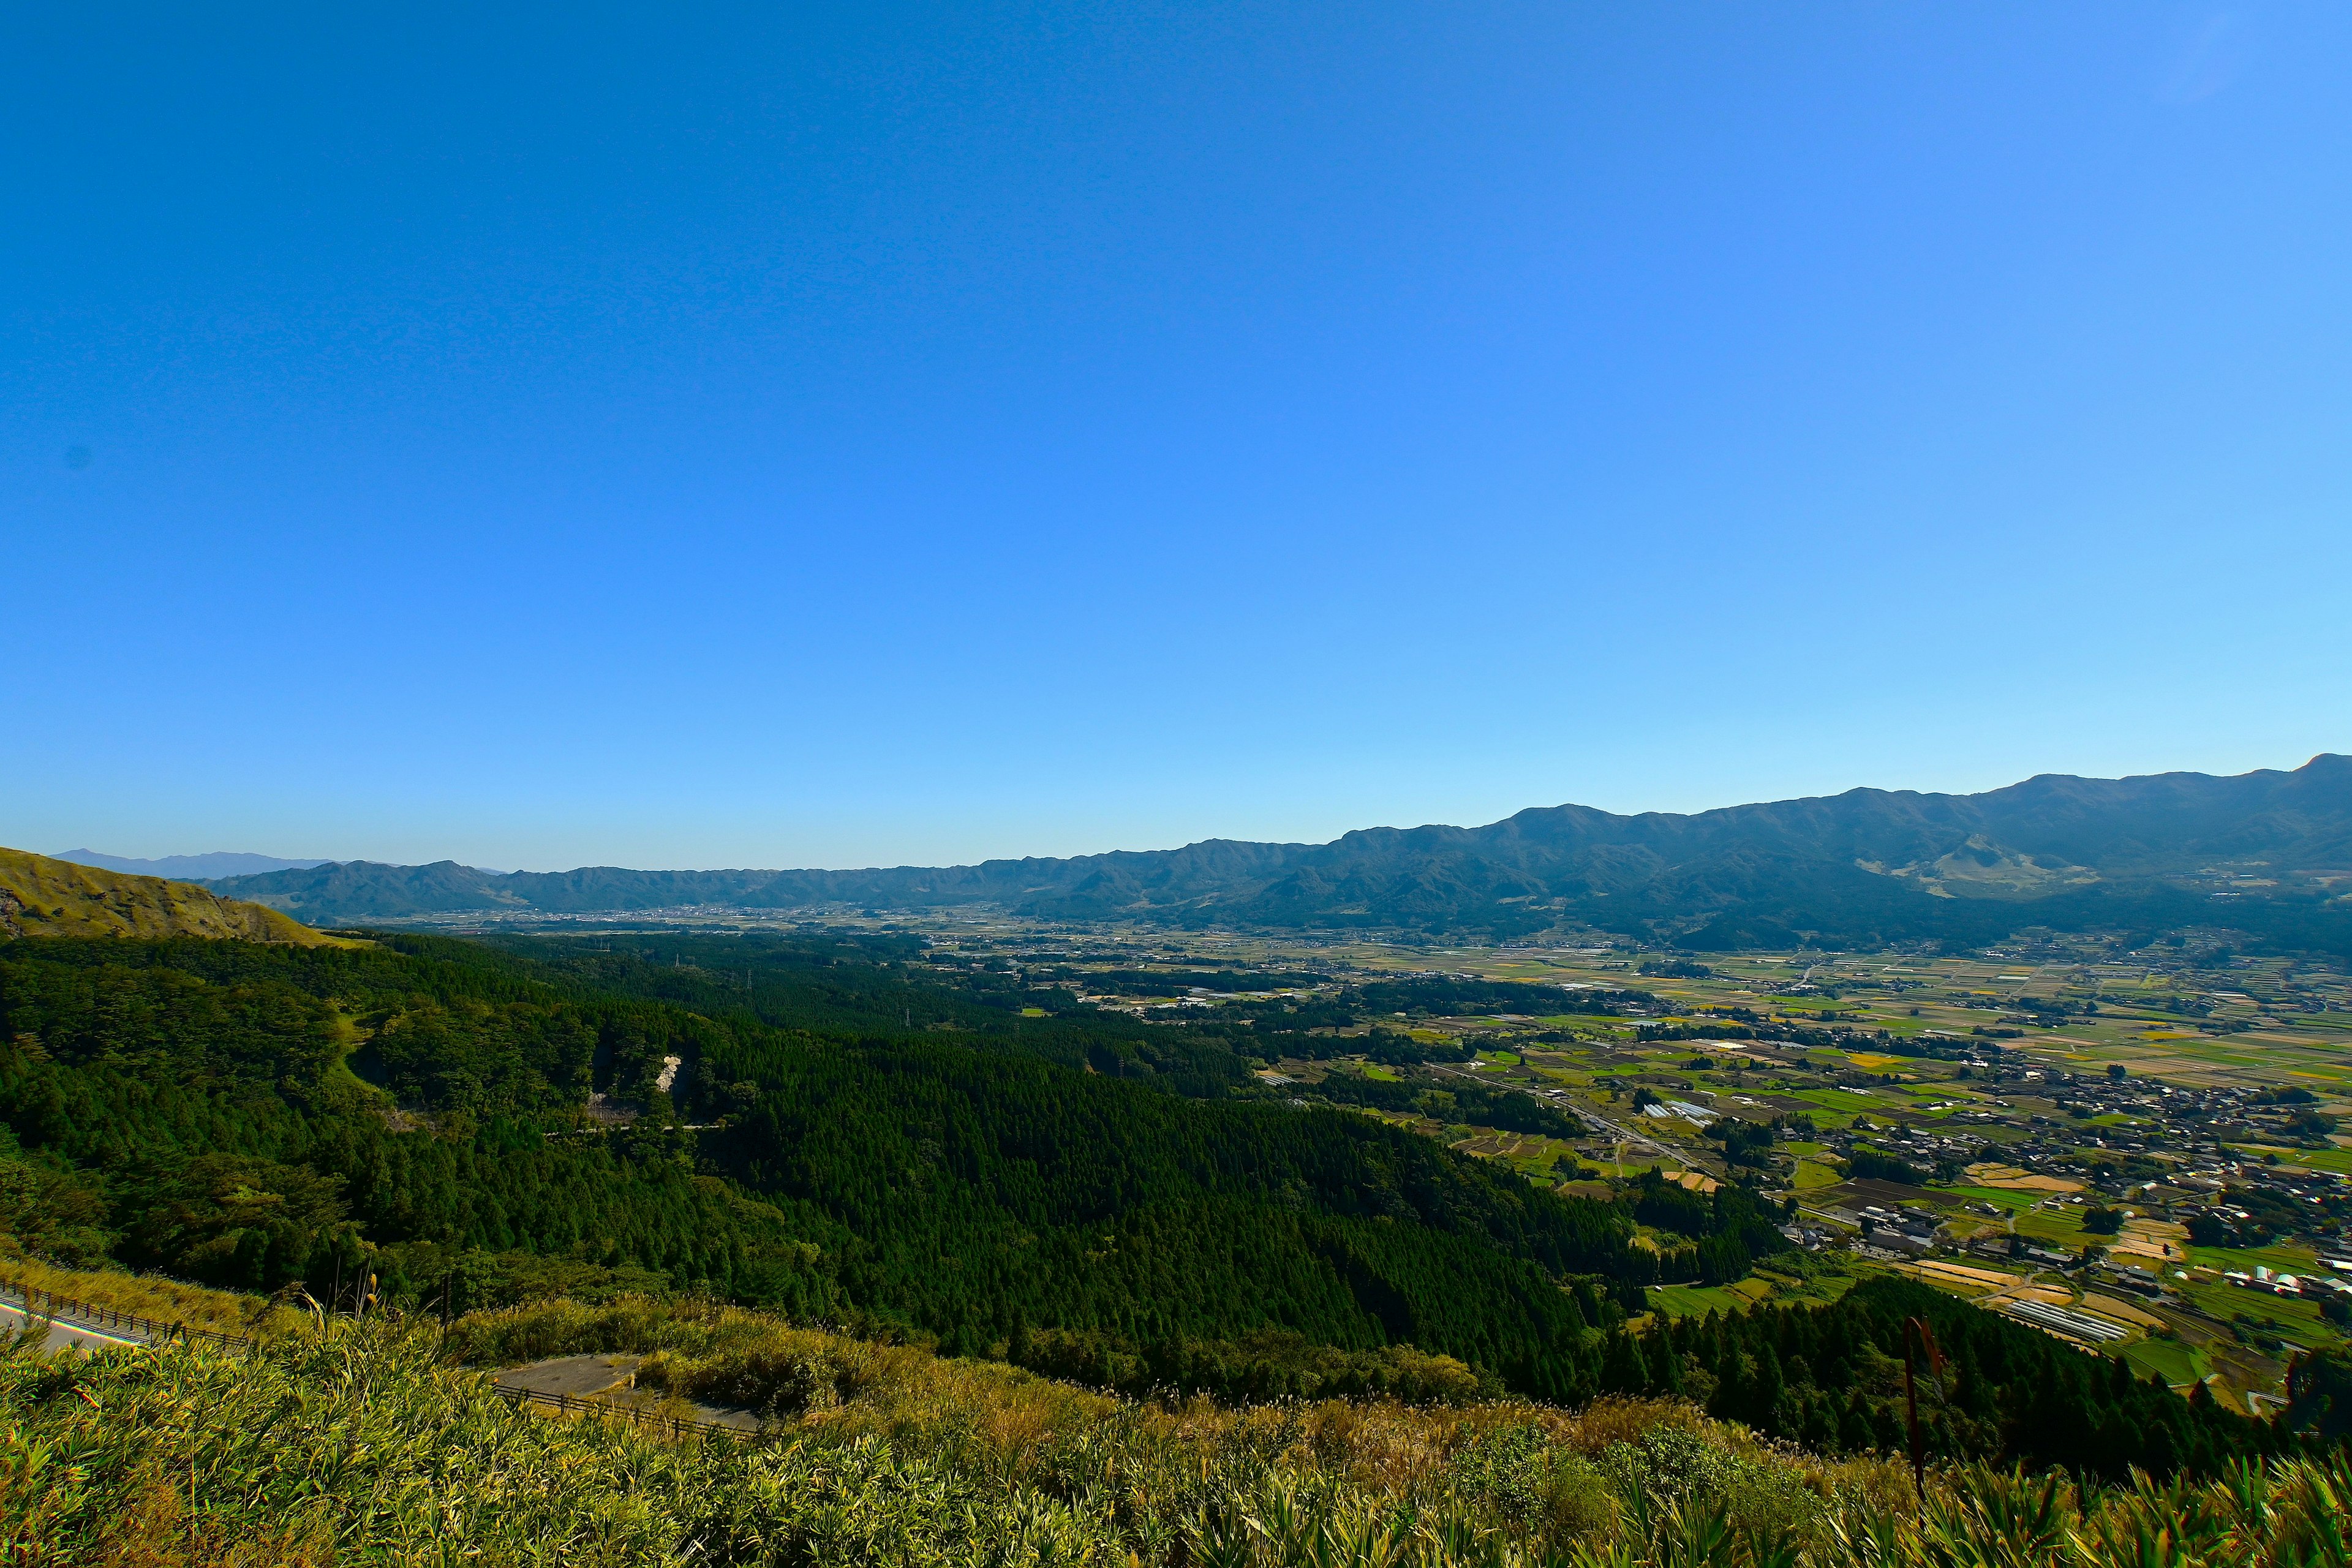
(41,897)
(2269,851)
(255,1114)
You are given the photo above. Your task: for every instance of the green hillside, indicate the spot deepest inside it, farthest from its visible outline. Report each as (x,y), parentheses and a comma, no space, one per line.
(255,1115)
(41,897)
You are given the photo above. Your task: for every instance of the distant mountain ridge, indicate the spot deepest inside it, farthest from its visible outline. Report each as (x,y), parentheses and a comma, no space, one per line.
(190,867)
(1866,865)
(44,897)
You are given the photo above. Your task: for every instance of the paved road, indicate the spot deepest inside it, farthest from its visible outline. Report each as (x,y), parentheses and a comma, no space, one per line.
(610,1379)
(580,1376)
(1684,1155)
(67,1334)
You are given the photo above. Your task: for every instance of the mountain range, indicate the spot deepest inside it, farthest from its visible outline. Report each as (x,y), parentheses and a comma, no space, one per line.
(188,868)
(2269,852)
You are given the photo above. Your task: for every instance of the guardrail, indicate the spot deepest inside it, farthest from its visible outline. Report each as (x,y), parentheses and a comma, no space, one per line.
(49,1304)
(676,1426)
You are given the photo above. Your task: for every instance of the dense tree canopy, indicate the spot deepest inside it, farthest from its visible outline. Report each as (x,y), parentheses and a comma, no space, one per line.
(253,1116)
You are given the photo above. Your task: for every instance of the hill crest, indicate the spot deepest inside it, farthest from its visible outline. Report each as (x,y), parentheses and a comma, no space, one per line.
(43,897)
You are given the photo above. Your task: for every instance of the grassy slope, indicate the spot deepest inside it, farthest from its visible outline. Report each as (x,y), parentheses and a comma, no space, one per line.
(41,897)
(357,1447)
(148,1295)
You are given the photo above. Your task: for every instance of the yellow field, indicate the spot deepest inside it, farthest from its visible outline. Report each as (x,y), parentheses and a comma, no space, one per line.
(2157,1240)
(1937,1271)
(2014,1180)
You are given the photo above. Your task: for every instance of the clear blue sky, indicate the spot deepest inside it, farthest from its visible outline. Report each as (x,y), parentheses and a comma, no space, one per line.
(828,436)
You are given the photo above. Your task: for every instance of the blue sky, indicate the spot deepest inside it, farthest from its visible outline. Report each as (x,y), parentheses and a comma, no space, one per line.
(832,435)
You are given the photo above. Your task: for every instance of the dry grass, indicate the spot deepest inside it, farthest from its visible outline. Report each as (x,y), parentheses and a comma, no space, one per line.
(156,1529)
(61,898)
(1021,1429)
(151,1296)
(351,1445)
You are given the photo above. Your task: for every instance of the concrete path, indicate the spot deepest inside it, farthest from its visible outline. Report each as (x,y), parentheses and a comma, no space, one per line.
(611,1380)
(579,1377)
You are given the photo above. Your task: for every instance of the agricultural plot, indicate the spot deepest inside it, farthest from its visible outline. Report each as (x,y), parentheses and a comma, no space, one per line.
(1697,1301)
(2001,1198)
(1985,1097)
(2178,1364)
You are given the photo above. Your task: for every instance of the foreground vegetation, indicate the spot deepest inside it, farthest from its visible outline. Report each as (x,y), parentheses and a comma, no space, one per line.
(1829,1378)
(352,1443)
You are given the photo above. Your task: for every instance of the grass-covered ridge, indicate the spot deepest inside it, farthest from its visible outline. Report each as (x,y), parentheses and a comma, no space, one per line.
(41,897)
(356,1445)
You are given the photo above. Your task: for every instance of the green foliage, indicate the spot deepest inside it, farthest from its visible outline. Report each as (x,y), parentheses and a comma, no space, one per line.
(1727,1230)
(1176,983)
(2310,1126)
(949,1185)
(44,899)
(2268,1213)
(1830,1378)
(1744,1143)
(49,1210)
(2319,1393)
(354,1447)
(1271,1364)
(1007,1188)
(1868,1164)
(1509,1110)
(859,989)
